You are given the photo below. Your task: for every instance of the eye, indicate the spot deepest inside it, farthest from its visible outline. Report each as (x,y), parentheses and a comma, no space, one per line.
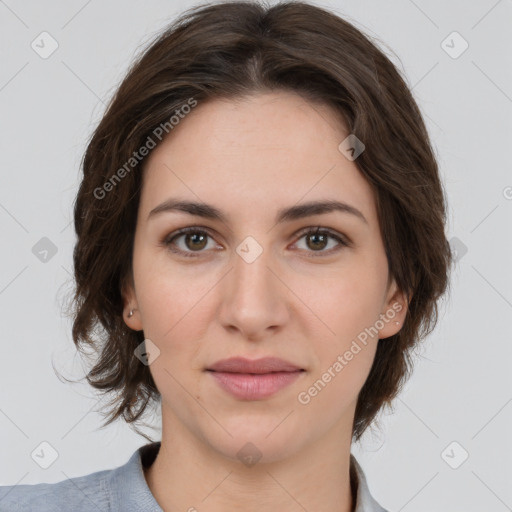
(317,239)
(195,239)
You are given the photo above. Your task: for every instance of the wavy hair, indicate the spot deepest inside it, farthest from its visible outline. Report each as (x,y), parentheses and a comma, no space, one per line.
(230,50)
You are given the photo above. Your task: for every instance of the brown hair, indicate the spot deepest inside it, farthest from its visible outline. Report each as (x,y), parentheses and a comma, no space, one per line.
(229,50)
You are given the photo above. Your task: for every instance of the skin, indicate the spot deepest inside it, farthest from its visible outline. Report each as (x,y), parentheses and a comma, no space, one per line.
(249,158)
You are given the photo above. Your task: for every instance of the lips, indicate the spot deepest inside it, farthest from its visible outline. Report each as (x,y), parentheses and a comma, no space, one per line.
(256,366)
(258,379)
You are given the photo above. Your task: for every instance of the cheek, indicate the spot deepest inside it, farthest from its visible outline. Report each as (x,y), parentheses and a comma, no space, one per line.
(170,306)
(170,302)
(344,303)
(333,391)
(345,355)
(348,306)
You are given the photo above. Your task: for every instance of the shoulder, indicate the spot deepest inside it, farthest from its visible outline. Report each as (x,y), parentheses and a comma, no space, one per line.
(84,493)
(121,489)
(365,502)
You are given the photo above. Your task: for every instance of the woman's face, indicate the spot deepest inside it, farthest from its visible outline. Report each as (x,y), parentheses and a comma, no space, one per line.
(259,283)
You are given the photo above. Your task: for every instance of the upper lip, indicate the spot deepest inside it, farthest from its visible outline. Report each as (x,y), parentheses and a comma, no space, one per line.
(263,365)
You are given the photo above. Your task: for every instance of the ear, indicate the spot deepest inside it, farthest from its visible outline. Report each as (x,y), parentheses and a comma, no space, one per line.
(130,304)
(394,310)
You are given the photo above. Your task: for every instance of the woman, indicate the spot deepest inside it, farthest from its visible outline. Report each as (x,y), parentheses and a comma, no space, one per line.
(261,241)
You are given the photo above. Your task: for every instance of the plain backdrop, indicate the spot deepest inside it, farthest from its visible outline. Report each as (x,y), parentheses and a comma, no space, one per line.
(458,402)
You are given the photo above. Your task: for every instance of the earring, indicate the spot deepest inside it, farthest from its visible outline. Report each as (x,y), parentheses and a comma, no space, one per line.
(130,314)
(397,323)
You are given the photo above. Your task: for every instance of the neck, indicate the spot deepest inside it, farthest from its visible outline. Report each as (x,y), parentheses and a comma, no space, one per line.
(188,474)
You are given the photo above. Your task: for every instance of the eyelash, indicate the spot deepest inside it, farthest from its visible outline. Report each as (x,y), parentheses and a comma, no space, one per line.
(169,240)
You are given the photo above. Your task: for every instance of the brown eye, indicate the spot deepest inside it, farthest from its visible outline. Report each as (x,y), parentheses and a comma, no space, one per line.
(188,241)
(316,241)
(195,240)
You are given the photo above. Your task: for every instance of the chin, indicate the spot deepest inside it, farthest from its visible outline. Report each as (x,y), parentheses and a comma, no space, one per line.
(254,440)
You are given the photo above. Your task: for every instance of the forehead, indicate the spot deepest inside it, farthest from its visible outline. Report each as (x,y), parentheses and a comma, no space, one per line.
(261,152)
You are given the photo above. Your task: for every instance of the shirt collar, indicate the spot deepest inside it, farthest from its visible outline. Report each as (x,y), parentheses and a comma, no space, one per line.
(130,491)
(364,500)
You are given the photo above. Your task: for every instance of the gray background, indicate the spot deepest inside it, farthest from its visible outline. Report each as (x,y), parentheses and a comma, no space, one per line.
(461,388)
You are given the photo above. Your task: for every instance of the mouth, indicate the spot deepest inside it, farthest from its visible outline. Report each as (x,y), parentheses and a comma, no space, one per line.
(254,386)
(260,366)
(254,379)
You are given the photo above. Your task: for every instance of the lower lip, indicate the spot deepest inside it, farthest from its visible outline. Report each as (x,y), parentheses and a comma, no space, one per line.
(248,386)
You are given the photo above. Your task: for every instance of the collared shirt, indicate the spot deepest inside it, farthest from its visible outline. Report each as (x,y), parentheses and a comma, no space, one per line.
(124,489)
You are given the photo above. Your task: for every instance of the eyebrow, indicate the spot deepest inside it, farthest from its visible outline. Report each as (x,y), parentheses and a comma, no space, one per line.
(283,215)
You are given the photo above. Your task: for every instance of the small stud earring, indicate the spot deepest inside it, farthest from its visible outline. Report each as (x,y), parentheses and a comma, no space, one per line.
(130,314)
(397,323)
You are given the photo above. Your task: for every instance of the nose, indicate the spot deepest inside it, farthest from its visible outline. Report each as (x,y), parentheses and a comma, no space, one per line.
(254,297)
